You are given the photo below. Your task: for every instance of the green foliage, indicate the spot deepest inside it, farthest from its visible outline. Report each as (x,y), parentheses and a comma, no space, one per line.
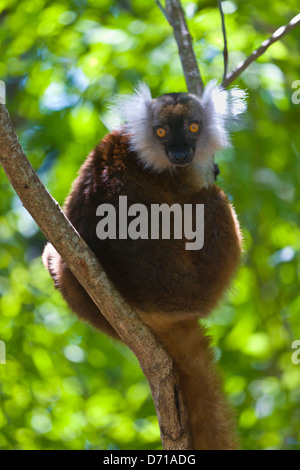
(64,386)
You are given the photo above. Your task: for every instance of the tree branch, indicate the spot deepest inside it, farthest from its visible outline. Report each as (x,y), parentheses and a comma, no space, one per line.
(175,16)
(155,363)
(279,33)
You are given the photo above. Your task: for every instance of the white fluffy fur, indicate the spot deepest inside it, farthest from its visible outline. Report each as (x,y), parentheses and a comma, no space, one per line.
(134,112)
(219,109)
(223,108)
(132,109)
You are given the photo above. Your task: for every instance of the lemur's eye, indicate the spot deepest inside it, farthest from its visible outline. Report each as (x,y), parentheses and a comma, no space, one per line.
(161,132)
(194,127)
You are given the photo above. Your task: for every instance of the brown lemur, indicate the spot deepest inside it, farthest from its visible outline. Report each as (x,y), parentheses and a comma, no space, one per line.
(163,153)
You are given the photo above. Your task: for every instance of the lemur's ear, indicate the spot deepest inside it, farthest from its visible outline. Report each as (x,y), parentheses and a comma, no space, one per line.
(224,107)
(131,109)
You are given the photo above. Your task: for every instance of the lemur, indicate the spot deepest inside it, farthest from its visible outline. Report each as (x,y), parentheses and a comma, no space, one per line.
(164,153)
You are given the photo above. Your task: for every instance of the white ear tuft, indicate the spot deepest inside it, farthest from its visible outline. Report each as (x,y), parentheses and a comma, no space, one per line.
(224,107)
(132,108)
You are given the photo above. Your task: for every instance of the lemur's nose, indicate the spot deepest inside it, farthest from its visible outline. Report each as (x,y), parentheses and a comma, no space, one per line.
(181,157)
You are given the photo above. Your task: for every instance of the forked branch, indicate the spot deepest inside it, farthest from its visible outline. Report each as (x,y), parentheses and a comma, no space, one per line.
(175,16)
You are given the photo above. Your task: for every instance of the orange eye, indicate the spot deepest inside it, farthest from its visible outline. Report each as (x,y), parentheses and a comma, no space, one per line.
(194,127)
(161,132)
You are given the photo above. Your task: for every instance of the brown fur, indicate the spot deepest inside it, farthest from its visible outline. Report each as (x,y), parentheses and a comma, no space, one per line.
(170,287)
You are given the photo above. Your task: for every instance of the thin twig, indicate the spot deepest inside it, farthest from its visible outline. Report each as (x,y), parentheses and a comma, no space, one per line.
(175,16)
(225,50)
(162,10)
(279,33)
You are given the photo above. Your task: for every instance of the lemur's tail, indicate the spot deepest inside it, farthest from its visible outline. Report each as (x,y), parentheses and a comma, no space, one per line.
(209,416)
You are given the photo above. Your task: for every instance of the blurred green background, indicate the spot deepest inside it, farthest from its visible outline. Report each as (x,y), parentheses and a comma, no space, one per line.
(64,386)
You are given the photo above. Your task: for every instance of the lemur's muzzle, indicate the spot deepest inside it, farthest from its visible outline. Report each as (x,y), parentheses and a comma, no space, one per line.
(182,157)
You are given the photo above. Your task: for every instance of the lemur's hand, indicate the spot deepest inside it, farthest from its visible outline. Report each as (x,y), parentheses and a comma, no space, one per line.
(216,170)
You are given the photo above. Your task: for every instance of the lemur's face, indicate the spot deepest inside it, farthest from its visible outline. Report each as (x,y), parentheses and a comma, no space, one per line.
(176,121)
(178,129)
(173,130)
